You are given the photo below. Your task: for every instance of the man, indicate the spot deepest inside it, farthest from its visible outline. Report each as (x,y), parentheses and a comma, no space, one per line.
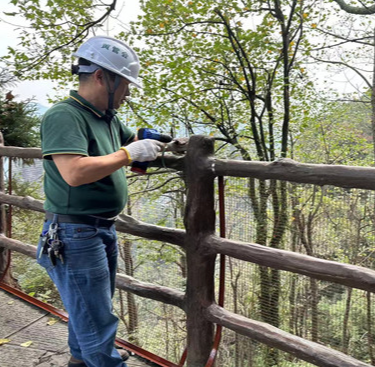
(85,148)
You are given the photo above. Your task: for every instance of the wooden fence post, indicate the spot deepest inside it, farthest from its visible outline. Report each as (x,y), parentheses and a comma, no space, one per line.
(4,253)
(199,223)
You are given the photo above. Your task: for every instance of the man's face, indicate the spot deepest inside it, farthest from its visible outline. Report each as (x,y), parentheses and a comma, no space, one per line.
(122,92)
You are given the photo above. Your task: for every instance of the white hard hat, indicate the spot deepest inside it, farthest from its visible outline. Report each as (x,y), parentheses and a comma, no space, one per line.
(113,55)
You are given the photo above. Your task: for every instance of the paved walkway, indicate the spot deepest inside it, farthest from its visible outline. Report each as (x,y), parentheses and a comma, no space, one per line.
(45,336)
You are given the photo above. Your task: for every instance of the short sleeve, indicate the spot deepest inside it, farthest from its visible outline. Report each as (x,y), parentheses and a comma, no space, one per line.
(126,134)
(63,132)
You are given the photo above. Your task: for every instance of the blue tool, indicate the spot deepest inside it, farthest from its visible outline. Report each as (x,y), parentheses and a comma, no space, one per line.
(145,133)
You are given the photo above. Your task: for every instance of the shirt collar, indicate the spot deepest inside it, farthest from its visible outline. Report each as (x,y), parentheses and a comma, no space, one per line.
(80,100)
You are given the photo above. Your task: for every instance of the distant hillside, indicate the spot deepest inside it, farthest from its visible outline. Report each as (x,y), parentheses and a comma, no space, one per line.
(40,109)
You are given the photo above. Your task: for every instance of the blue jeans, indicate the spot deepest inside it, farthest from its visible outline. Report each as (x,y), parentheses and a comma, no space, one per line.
(86,283)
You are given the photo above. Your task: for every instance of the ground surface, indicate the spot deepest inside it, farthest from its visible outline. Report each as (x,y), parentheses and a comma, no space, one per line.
(21,322)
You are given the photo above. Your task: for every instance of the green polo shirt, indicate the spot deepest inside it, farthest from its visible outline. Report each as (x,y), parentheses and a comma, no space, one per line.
(74,126)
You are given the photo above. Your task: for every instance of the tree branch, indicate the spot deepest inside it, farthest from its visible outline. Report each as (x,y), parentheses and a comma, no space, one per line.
(348,66)
(365,10)
(74,41)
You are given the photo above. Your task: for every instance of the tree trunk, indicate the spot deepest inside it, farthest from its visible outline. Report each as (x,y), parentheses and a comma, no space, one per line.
(260,210)
(167,331)
(314,310)
(280,218)
(306,236)
(345,331)
(270,278)
(179,213)
(131,304)
(373,102)
(370,336)
(234,285)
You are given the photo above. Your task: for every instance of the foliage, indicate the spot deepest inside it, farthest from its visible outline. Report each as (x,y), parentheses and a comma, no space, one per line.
(239,72)
(196,65)
(58,27)
(34,280)
(337,134)
(217,73)
(359,7)
(26,227)
(159,199)
(19,123)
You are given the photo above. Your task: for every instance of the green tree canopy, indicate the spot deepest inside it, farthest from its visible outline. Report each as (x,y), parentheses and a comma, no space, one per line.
(19,123)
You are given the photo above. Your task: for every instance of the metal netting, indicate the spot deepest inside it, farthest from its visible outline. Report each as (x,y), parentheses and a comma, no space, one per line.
(327,222)
(154,326)
(331,223)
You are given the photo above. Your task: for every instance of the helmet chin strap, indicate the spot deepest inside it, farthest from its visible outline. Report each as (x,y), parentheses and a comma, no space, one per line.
(109,113)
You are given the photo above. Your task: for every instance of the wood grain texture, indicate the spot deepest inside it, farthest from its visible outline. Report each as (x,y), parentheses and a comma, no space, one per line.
(350,275)
(151,291)
(199,222)
(289,170)
(314,353)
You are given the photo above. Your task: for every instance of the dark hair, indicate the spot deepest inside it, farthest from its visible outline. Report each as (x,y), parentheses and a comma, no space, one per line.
(82,61)
(83,77)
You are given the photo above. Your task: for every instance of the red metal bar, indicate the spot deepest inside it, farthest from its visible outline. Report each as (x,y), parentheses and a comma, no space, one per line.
(222,234)
(45,306)
(183,358)
(145,354)
(10,192)
(64,316)
(215,347)
(133,348)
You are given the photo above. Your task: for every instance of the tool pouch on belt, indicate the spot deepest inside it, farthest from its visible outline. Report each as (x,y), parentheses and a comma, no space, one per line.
(51,244)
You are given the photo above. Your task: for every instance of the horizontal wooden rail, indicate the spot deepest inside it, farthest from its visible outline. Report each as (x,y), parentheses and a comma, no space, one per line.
(125,223)
(126,283)
(201,245)
(17,152)
(314,353)
(24,202)
(151,291)
(18,246)
(284,169)
(166,161)
(350,275)
(262,332)
(289,170)
(169,161)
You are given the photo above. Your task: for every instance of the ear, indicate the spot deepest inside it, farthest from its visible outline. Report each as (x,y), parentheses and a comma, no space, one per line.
(99,76)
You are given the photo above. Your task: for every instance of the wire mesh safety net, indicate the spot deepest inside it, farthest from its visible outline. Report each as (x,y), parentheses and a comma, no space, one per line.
(326,222)
(331,223)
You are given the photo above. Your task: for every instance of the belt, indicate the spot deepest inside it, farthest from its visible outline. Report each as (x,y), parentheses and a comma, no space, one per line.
(81,219)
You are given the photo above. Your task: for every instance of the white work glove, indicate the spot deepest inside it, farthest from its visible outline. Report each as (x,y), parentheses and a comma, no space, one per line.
(144,150)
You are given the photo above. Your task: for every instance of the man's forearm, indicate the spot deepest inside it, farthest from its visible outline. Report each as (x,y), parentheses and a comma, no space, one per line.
(78,170)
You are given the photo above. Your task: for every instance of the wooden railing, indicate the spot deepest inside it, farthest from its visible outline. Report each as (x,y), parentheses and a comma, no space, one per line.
(202,246)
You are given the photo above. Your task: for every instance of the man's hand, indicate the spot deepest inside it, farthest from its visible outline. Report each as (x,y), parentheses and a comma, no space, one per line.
(144,150)
(77,170)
